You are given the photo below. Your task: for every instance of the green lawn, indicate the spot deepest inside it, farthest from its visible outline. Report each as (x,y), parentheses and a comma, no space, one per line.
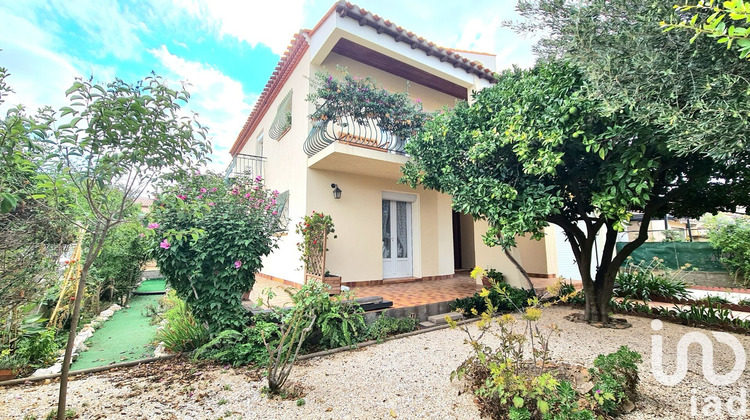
(127,335)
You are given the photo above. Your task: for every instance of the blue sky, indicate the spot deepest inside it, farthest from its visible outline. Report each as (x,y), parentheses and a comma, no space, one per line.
(225,49)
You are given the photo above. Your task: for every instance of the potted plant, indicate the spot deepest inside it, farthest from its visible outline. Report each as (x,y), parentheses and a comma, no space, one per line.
(315,229)
(10,364)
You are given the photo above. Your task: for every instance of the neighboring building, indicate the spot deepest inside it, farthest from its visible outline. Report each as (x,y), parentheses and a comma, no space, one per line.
(386,231)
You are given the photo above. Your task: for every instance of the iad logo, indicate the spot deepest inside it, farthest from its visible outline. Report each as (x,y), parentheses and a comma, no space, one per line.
(707,362)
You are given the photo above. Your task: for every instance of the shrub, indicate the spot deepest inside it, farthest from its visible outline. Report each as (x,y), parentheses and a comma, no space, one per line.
(640,281)
(387,325)
(713,300)
(117,270)
(744,302)
(39,349)
(731,237)
(239,348)
(182,331)
(295,327)
(208,237)
(615,378)
(503,297)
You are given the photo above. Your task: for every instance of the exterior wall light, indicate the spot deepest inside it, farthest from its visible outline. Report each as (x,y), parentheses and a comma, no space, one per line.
(336,191)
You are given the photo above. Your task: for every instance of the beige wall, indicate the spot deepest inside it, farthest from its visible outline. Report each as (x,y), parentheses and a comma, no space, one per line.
(539,257)
(356,254)
(493,257)
(286,169)
(432,100)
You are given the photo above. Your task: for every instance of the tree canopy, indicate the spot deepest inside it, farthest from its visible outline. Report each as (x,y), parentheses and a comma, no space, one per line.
(695,94)
(535,149)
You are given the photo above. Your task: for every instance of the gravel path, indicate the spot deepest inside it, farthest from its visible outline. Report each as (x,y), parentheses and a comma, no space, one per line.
(406,378)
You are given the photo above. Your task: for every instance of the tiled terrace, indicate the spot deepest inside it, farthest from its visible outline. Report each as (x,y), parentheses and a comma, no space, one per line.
(402,294)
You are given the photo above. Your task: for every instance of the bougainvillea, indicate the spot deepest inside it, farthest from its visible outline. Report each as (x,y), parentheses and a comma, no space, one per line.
(208,236)
(313,229)
(361,98)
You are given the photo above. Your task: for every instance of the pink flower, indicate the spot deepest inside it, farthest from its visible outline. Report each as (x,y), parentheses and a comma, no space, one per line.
(203,190)
(182,197)
(213,189)
(237,264)
(247,195)
(235,192)
(258,178)
(153,225)
(274,212)
(212,204)
(142,235)
(164,244)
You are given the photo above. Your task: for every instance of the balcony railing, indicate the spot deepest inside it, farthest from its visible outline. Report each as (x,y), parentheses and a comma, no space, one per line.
(347,130)
(246,165)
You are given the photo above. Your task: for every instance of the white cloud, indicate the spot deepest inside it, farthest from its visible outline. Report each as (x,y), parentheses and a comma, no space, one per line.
(479,34)
(272,23)
(218,99)
(38,75)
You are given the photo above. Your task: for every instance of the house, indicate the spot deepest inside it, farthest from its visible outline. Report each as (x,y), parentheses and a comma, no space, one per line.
(386,231)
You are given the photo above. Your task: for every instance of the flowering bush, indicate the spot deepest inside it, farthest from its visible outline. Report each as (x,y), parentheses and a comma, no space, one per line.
(313,229)
(361,99)
(208,237)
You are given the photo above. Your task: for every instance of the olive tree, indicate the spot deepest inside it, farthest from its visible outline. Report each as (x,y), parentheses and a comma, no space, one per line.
(116,139)
(535,150)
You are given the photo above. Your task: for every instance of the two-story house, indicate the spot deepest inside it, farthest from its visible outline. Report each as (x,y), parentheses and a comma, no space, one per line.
(386,231)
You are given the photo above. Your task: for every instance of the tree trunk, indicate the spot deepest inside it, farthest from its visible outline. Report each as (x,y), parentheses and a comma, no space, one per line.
(96,244)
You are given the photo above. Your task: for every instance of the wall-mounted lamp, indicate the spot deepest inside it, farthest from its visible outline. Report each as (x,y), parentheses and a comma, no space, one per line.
(336,191)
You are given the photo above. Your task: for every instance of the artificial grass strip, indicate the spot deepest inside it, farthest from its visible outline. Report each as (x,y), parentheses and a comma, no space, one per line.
(127,335)
(152,285)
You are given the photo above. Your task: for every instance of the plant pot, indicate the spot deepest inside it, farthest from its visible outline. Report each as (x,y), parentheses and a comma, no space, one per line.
(7,374)
(334,282)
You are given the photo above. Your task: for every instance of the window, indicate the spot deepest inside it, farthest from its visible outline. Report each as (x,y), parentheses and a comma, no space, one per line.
(282,208)
(283,121)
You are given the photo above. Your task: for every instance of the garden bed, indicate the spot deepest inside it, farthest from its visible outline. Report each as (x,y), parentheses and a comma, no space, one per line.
(404,378)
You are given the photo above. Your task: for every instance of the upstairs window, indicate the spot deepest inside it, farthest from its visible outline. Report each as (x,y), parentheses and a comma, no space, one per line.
(283,121)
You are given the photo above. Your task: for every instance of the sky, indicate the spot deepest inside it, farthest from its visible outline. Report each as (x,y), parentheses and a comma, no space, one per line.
(225,49)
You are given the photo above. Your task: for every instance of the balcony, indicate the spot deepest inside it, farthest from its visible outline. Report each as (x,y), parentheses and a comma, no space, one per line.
(246,165)
(347,130)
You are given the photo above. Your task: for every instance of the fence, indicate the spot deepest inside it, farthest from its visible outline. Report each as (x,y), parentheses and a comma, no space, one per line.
(676,254)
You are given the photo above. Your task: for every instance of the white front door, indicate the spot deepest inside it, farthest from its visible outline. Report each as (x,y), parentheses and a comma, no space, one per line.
(397,244)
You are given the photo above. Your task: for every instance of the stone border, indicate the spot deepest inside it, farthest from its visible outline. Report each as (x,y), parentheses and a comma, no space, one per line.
(85,371)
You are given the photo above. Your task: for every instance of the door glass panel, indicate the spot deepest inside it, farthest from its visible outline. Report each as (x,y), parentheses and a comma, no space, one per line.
(401,230)
(386,229)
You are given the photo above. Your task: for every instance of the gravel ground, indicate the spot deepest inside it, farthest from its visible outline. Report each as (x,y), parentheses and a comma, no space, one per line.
(405,378)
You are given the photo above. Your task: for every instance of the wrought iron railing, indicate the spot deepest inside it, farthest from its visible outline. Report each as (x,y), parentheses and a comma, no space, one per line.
(246,165)
(347,130)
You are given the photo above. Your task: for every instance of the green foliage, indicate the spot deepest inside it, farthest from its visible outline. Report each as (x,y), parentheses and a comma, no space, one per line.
(535,149)
(361,99)
(32,233)
(13,361)
(615,374)
(713,300)
(715,19)
(339,322)
(672,235)
(385,326)
(296,324)
(314,228)
(731,237)
(182,331)
(239,348)
(208,238)
(507,385)
(744,302)
(503,297)
(695,94)
(38,349)
(641,282)
(118,267)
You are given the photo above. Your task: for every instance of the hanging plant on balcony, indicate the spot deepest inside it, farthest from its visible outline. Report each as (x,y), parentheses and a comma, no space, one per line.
(360,99)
